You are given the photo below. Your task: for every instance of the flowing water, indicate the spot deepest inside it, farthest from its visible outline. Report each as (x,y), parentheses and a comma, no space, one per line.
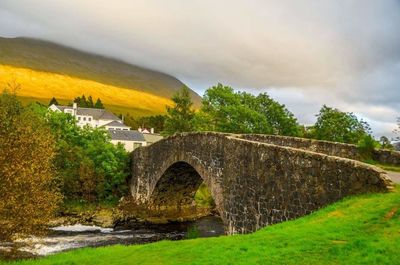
(77,236)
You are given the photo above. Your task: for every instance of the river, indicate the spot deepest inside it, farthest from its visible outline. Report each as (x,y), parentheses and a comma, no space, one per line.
(64,238)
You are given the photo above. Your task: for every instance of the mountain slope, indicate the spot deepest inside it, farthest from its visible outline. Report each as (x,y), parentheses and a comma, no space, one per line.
(45,69)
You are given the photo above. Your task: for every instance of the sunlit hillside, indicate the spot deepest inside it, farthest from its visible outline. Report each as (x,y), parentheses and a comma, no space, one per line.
(42,86)
(45,70)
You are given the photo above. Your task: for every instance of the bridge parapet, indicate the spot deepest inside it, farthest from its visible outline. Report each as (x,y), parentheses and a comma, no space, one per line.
(253,183)
(350,151)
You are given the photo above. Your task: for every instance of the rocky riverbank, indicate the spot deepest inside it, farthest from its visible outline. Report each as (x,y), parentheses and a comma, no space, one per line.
(126,215)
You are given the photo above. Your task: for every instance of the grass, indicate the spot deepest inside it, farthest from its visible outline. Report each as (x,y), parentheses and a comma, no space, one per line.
(42,86)
(384,166)
(203,197)
(358,230)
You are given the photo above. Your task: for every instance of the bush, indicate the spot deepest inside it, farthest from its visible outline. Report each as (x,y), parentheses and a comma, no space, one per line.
(28,194)
(87,164)
(366,146)
(192,232)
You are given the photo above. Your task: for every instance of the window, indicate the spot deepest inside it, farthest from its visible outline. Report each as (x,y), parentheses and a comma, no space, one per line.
(84,118)
(90,118)
(79,118)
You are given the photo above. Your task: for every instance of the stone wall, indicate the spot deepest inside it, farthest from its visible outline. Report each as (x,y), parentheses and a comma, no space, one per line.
(387,157)
(253,183)
(325,147)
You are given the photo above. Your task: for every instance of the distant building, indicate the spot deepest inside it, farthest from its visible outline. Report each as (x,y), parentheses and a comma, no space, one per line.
(119,132)
(90,116)
(150,136)
(130,139)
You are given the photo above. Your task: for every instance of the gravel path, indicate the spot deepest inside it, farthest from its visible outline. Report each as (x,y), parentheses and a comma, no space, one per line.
(395,176)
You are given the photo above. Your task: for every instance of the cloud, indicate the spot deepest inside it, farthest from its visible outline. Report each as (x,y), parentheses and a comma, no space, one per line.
(342,53)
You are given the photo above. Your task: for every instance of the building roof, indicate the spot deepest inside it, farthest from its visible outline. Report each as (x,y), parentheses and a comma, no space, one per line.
(116,124)
(152,137)
(97,114)
(126,135)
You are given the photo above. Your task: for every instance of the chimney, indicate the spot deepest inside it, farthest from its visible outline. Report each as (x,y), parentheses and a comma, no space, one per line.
(152,130)
(122,117)
(75,108)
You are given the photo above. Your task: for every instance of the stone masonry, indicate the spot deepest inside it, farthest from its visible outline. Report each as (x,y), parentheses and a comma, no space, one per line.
(254,182)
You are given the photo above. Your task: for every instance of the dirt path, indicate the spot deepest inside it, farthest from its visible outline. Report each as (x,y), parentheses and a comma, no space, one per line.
(395,176)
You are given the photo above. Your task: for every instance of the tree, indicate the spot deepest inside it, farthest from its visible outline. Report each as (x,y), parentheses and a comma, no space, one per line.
(87,176)
(226,111)
(334,125)
(385,143)
(281,120)
(89,102)
(180,117)
(83,102)
(99,104)
(77,149)
(53,101)
(28,196)
(366,146)
(156,121)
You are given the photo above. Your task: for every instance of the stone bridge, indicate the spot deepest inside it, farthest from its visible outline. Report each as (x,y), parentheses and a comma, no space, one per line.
(255,180)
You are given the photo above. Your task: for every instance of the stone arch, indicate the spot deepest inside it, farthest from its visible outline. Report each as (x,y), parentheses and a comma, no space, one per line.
(174,190)
(176,186)
(254,182)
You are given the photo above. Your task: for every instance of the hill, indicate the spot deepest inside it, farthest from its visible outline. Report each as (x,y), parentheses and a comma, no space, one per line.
(45,69)
(357,230)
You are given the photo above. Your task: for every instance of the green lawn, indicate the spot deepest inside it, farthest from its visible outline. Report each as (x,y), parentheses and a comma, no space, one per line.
(358,230)
(386,167)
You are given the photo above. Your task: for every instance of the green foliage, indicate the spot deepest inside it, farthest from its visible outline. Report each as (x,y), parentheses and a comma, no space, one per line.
(356,230)
(88,179)
(88,103)
(155,121)
(28,195)
(192,232)
(386,167)
(180,117)
(86,160)
(98,104)
(203,197)
(385,143)
(226,111)
(337,126)
(366,146)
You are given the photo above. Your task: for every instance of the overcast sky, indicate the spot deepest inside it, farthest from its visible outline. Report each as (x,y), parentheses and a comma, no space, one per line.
(345,54)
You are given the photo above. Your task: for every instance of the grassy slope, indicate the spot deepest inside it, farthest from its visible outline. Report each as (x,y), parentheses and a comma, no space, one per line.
(387,167)
(358,230)
(41,86)
(46,69)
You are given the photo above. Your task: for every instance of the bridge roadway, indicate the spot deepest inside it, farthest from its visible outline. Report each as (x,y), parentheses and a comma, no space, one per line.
(255,180)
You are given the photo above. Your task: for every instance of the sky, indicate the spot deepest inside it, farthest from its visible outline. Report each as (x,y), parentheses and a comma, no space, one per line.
(305,53)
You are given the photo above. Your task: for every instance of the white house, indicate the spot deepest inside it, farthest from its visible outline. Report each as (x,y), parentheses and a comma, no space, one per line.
(119,132)
(150,136)
(130,139)
(90,116)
